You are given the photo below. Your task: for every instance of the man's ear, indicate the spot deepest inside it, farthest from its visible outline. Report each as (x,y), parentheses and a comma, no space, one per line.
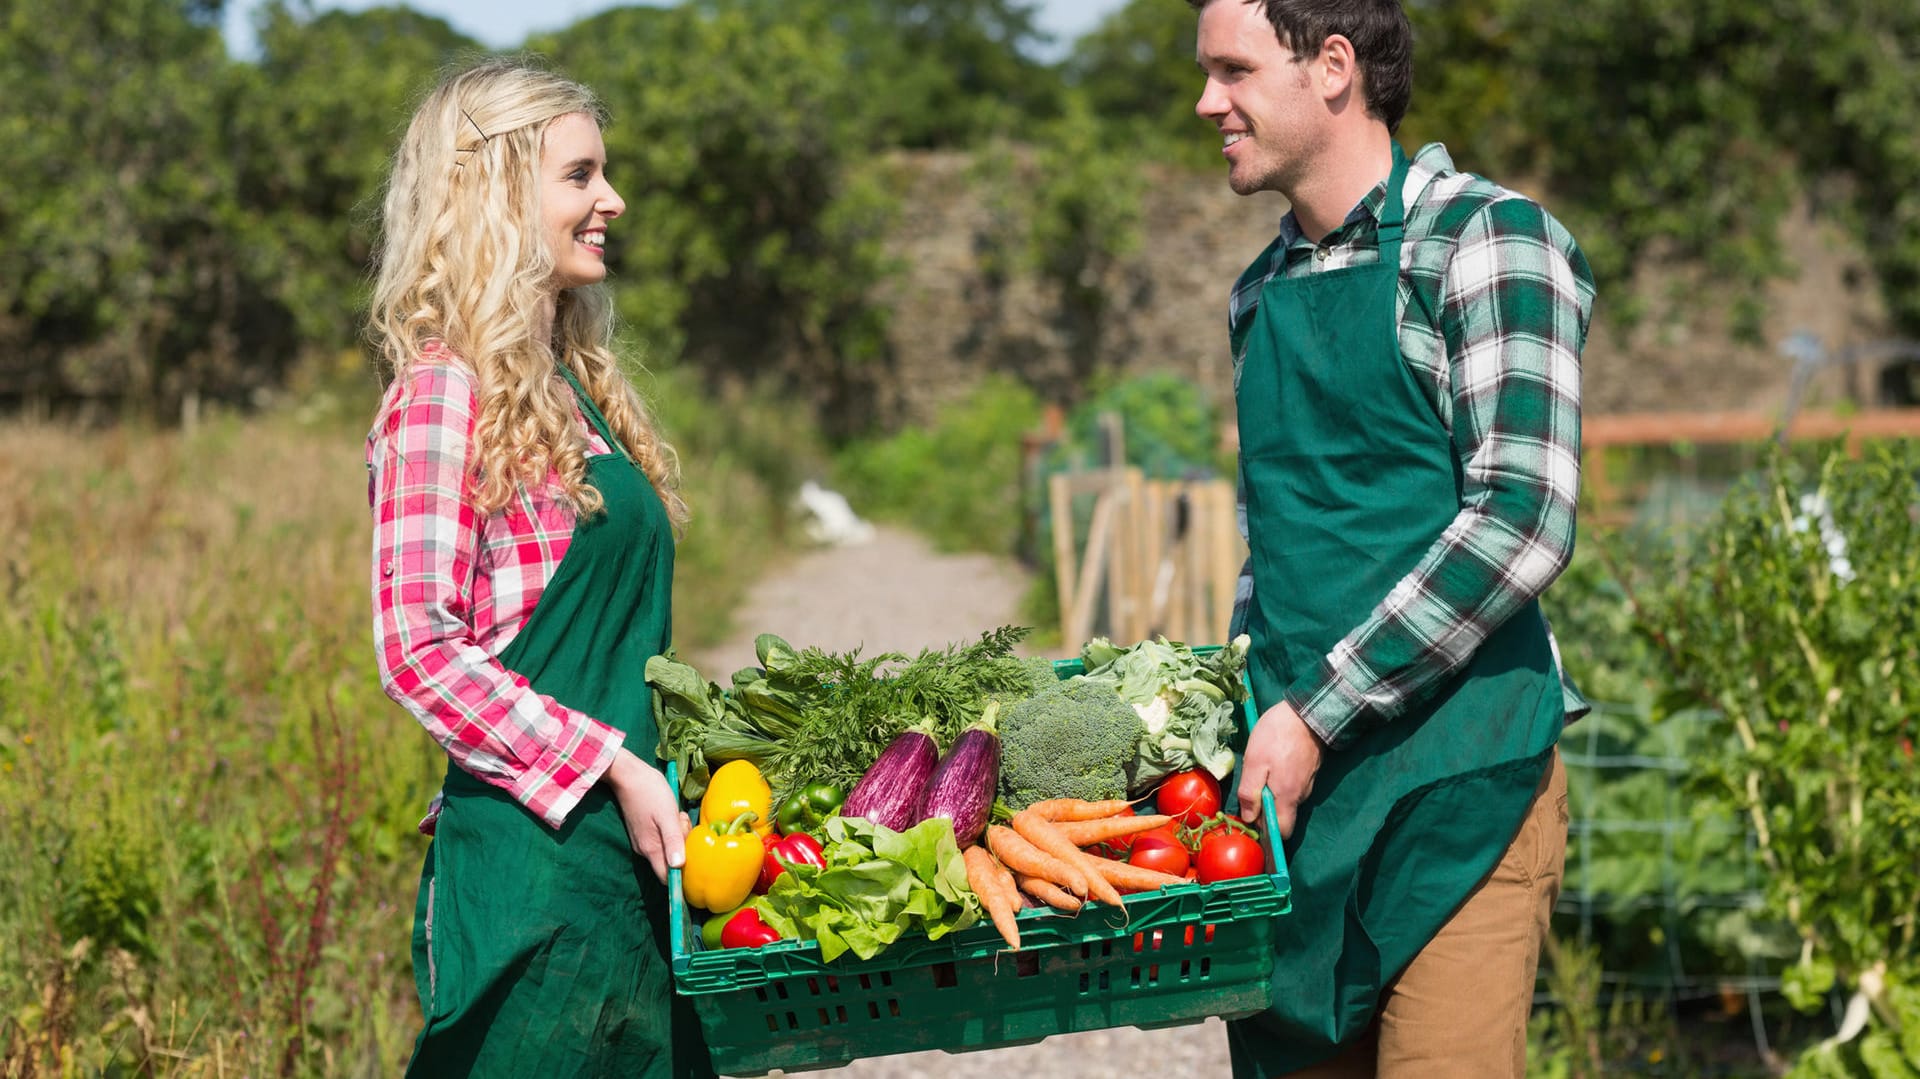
(1339,70)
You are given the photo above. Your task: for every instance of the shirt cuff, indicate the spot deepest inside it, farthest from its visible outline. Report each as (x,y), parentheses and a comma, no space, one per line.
(555,781)
(1333,710)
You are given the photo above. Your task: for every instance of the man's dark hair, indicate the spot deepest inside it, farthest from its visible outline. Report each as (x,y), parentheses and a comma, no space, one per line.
(1382,43)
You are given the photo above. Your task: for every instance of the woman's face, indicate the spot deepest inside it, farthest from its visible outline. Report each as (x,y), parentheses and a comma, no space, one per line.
(576,201)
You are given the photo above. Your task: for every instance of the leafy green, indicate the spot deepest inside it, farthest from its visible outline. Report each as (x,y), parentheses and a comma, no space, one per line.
(1186,701)
(878,884)
(811,716)
(1795,618)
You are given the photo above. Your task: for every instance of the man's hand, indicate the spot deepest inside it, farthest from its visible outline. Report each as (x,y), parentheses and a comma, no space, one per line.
(1283,754)
(656,827)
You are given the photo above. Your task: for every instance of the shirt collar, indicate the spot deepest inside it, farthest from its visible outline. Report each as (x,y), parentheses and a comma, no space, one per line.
(1430,161)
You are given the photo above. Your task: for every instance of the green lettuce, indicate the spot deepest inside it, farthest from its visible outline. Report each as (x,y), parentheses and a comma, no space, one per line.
(877,886)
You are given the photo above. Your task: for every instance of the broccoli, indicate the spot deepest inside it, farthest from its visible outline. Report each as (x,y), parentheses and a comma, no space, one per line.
(1074,739)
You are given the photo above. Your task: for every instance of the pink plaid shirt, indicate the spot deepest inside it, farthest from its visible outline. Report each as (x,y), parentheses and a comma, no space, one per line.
(451,590)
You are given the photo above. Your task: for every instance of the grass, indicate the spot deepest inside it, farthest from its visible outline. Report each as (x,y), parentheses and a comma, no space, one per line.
(208,854)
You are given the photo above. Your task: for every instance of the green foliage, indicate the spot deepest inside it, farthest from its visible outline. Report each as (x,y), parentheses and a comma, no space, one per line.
(1699,125)
(107,892)
(940,73)
(319,115)
(956,479)
(1136,70)
(739,250)
(207,806)
(1662,131)
(1581,1035)
(118,212)
(1795,618)
(1171,430)
(1086,212)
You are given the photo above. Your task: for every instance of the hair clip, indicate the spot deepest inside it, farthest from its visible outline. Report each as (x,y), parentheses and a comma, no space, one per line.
(484,139)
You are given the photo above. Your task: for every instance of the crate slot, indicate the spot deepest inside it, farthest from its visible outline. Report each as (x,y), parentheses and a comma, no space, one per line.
(793,1021)
(893,1008)
(1135,977)
(866,982)
(873,1006)
(886,978)
(825,1019)
(840,1012)
(780,990)
(1206,965)
(760,994)
(813,986)
(944,976)
(1025,965)
(1085,982)
(773,1024)
(1186,968)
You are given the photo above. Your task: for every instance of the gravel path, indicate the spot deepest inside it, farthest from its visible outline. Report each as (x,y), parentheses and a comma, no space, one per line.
(897,594)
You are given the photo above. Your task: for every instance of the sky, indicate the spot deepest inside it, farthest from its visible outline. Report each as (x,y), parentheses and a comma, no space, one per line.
(506,23)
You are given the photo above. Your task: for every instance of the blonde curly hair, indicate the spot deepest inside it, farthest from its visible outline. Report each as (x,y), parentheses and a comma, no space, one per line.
(462,262)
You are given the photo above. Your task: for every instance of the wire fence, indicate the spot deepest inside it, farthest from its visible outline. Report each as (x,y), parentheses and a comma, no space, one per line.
(1666,885)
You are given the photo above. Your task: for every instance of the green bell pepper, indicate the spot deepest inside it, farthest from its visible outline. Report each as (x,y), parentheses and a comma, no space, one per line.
(808,808)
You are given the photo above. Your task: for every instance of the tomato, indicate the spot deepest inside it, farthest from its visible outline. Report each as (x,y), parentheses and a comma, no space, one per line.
(1191,797)
(1226,854)
(1159,852)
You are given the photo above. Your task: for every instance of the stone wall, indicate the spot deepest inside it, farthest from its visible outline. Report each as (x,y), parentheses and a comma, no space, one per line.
(951,322)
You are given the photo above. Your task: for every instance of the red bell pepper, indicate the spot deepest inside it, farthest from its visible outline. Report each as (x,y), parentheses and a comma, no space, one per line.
(796,849)
(746,930)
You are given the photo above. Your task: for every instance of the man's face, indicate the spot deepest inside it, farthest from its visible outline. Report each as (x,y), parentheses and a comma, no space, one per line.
(1259,96)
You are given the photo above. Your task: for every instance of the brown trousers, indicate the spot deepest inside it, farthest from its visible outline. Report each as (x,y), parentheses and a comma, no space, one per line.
(1460,1008)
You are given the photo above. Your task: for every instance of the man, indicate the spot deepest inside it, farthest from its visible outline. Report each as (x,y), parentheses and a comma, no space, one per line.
(1406,371)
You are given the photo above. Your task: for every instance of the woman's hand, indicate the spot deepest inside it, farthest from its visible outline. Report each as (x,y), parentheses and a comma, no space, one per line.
(655,825)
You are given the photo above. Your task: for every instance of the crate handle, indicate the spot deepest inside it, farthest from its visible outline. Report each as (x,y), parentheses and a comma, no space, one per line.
(677,903)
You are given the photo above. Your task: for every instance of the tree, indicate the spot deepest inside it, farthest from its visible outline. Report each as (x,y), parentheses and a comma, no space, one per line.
(1691,129)
(1138,73)
(753,226)
(118,192)
(316,126)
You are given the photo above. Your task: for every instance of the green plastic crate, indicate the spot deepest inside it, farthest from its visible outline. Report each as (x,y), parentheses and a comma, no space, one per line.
(1173,957)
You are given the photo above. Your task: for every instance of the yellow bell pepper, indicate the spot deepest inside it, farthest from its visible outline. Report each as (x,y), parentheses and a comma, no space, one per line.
(738,787)
(723,862)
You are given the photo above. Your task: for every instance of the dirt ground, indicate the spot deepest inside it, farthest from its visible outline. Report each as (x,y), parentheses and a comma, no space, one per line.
(897,594)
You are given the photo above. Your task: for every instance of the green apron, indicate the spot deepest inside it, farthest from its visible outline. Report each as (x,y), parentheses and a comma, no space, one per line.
(543,952)
(1350,477)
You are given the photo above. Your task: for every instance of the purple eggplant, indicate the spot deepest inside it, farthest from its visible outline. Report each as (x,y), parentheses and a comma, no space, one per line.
(890,791)
(967,778)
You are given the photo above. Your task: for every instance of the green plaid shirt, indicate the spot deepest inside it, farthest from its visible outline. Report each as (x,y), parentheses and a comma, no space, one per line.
(1495,299)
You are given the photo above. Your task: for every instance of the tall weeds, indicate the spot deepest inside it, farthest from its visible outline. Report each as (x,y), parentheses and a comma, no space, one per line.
(208,855)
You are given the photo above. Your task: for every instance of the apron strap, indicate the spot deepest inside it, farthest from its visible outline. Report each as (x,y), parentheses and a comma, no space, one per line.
(592,410)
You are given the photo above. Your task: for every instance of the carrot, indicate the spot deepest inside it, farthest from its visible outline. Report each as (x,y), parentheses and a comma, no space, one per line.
(1059,809)
(1023,856)
(1133,878)
(1085,833)
(989,880)
(1044,834)
(1047,892)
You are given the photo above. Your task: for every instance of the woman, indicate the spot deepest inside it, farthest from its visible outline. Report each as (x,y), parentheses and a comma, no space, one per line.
(522,568)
